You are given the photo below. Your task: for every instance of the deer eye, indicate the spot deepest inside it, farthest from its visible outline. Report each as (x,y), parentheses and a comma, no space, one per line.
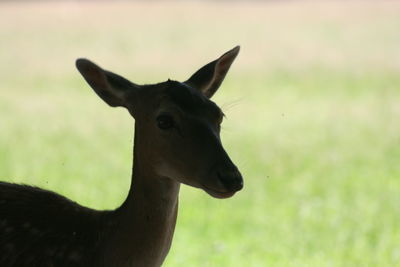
(165,122)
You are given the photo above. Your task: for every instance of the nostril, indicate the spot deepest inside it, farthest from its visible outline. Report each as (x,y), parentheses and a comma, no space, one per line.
(240,183)
(231,181)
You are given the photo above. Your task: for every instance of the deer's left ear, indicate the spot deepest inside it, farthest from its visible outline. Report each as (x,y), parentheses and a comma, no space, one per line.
(209,78)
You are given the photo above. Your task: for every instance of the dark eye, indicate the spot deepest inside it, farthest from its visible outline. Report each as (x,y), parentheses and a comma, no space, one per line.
(165,122)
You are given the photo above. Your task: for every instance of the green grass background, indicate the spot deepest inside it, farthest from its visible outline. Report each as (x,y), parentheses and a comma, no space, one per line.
(312,104)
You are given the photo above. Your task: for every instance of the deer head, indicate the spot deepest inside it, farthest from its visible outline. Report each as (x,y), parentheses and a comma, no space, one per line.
(177,125)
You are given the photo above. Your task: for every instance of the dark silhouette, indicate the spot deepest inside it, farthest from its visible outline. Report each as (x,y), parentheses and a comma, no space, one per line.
(177,141)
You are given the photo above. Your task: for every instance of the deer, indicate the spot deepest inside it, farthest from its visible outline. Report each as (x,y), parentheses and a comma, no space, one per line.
(176,141)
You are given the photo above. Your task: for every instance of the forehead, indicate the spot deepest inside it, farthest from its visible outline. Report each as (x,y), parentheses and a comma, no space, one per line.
(187,98)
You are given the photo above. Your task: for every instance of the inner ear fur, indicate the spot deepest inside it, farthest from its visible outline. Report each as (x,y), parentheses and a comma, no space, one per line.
(110,87)
(209,78)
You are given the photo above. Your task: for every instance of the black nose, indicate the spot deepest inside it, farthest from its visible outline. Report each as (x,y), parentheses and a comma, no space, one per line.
(232,181)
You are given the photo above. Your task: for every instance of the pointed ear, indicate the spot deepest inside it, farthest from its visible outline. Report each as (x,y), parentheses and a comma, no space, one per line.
(111,87)
(209,78)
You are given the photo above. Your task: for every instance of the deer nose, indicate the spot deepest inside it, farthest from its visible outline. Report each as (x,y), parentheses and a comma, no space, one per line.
(231,180)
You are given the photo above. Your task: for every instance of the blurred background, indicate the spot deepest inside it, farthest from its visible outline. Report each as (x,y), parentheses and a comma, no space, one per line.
(312,105)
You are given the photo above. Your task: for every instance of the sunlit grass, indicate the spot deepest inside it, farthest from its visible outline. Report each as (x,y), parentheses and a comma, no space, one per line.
(312,107)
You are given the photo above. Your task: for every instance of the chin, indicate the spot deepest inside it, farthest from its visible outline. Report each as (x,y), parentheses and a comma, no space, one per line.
(220,195)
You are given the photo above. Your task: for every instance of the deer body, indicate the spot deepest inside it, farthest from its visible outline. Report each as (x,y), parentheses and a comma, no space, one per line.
(176,141)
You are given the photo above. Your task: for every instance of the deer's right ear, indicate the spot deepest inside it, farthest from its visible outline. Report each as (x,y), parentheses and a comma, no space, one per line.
(111,87)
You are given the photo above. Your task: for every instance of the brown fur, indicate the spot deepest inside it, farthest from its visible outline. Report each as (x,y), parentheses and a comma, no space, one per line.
(42,228)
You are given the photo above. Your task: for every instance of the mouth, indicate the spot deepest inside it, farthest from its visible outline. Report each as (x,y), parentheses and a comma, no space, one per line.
(218,194)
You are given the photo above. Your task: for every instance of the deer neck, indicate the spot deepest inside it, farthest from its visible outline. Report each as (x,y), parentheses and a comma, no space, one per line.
(146,220)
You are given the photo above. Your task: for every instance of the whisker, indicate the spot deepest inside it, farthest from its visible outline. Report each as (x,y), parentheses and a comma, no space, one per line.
(229,105)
